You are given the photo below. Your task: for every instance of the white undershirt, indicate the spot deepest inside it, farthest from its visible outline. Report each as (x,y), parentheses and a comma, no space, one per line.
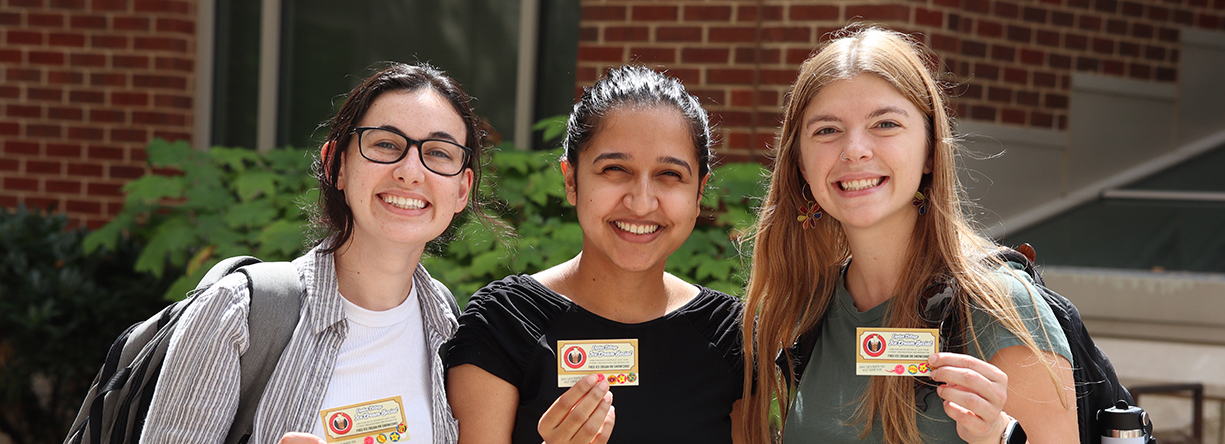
(384,355)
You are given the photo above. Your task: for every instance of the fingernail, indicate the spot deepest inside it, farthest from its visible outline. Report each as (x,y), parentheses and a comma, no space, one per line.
(599,377)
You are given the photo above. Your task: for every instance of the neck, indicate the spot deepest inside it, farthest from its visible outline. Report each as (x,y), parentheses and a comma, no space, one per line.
(376,276)
(878,261)
(612,293)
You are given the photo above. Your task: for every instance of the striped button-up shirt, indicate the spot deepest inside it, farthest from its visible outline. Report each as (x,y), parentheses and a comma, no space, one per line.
(197,393)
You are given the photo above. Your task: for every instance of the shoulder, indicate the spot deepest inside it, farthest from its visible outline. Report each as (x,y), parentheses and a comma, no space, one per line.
(714,304)
(514,302)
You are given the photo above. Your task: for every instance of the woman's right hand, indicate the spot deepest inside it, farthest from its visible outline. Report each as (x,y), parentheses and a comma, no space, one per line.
(583,414)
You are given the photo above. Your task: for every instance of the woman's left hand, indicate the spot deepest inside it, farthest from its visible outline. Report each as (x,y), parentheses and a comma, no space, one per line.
(974,393)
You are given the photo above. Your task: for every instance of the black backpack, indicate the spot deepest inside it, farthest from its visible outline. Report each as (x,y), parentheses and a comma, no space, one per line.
(1097,386)
(115,407)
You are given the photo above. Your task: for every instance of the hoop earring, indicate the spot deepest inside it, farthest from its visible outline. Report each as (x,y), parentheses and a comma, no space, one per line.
(810,211)
(920,201)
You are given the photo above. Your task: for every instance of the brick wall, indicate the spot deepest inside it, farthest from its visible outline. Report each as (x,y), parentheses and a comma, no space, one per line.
(85,85)
(1012,60)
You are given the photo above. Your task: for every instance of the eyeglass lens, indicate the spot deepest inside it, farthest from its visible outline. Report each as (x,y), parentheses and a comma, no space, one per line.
(439,156)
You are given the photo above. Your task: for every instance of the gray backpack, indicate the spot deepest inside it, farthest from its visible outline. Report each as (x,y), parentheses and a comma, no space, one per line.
(115,407)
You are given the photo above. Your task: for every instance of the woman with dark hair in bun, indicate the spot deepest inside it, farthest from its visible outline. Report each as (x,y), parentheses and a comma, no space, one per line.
(540,357)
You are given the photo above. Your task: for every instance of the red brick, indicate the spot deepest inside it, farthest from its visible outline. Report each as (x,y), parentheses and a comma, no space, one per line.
(879,12)
(87,60)
(173,101)
(87,22)
(159,81)
(26,3)
(140,155)
(928,17)
(626,34)
(603,13)
(105,152)
(653,55)
(10,18)
(732,118)
(1013,116)
(107,116)
(1154,53)
(997,94)
(1167,35)
(708,13)
(68,4)
(1018,76)
(173,6)
(1129,49)
(1183,17)
(601,53)
(9,128)
(705,55)
(973,49)
(1003,53)
(24,37)
(1167,74)
(65,78)
(66,39)
(176,25)
(1075,41)
(20,184)
(85,169)
(20,147)
(126,172)
(110,5)
(1142,30)
(762,55)
(780,77)
(42,203)
(941,42)
(1047,38)
(739,34)
(105,189)
(44,130)
(129,61)
(129,135)
(1090,23)
(982,112)
(654,13)
(1060,61)
(10,56)
(109,41)
(1064,19)
(87,207)
(1209,21)
(9,164)
(814,12)
(986,71)
(161,44)
(62,186)
(588,34)
(1118,27)
(85,133)
(1027,98)
(678,34)
(174,64)
(158,118)
(27,111)
(1019,34)
(54,95)
(979,6)
(1034,15)
(1032,57)
(949,3)
(46,58)
(129,98)
(1114,67)
(1008,10)
(43,167)
(1103,46)
(130,23)
(1087,63)
(1108,6)
(175,135)
(729,76)
(108,79)
(9,92)
(45,20)
(786,34)
(63,150)
(753,13)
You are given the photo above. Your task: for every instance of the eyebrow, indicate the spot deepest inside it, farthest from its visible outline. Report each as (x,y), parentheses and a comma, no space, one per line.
(433,135)
(661,159)
(879,112)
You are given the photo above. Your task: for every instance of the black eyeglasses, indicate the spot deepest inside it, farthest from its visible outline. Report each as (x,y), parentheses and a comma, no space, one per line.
(385,145)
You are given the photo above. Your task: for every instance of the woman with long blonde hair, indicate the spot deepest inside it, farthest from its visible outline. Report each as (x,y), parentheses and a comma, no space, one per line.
(867,143)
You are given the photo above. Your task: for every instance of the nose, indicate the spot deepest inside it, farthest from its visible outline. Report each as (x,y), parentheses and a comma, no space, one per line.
(858,147)
(641,198)
(410,169)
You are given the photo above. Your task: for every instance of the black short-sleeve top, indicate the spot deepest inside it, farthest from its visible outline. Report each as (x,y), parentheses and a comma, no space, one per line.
(690,362)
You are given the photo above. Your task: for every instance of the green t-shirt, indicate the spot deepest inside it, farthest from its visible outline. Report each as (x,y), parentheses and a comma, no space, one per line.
(823,410)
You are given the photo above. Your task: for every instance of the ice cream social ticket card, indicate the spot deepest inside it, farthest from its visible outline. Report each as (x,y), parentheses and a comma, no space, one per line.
(616,359)
(895,351)
(378,421)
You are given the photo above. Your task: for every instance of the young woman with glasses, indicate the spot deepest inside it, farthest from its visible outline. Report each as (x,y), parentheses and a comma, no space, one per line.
(637,155)
(864,218)
(400,161)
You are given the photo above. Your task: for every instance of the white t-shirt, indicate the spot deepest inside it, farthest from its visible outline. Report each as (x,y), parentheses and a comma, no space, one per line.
(383,356)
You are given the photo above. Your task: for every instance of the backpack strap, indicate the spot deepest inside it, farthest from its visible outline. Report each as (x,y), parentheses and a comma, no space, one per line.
(276,302)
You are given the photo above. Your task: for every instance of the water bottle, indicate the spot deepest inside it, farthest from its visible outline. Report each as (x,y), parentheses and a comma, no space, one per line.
(1124,424)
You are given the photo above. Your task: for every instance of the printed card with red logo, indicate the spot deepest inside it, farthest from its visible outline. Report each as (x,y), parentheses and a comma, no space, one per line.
(377,421)
(895,351)
(616,359)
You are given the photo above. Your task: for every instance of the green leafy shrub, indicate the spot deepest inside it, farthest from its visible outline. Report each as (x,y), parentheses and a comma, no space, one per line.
(60,309)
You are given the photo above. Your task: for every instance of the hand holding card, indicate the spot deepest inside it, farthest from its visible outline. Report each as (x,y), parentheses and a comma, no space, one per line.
(583,414)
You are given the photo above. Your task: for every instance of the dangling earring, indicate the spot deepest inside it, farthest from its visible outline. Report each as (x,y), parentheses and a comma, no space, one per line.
(809,212)
(920,201)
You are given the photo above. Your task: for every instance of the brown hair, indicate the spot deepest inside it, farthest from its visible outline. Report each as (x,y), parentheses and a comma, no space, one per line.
(333,217)
(790,293)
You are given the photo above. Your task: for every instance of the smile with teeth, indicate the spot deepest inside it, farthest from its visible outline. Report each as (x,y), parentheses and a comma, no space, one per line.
(859,184)
(637,228)
(404,202)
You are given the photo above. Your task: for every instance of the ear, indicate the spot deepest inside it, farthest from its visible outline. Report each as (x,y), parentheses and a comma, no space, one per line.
(568,172)
(465,189)
(340,175)
(702,187)
(931,159)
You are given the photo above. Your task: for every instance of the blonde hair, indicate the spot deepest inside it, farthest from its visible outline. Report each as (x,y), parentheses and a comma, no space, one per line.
(789,293)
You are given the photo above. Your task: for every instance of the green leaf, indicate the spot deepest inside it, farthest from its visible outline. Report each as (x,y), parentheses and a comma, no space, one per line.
(151,188)
(281,239)
(233,158)
(249,215)
(163,153)
(554,127)
(172,239)
(255,184)
(108,235)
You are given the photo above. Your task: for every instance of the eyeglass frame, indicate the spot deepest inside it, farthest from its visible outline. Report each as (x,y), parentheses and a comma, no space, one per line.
(420,155)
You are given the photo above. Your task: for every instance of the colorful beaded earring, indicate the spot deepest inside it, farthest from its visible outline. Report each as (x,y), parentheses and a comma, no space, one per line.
(920,201)
(809,212)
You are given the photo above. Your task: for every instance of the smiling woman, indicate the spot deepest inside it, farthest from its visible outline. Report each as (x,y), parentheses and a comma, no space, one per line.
(535,356)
